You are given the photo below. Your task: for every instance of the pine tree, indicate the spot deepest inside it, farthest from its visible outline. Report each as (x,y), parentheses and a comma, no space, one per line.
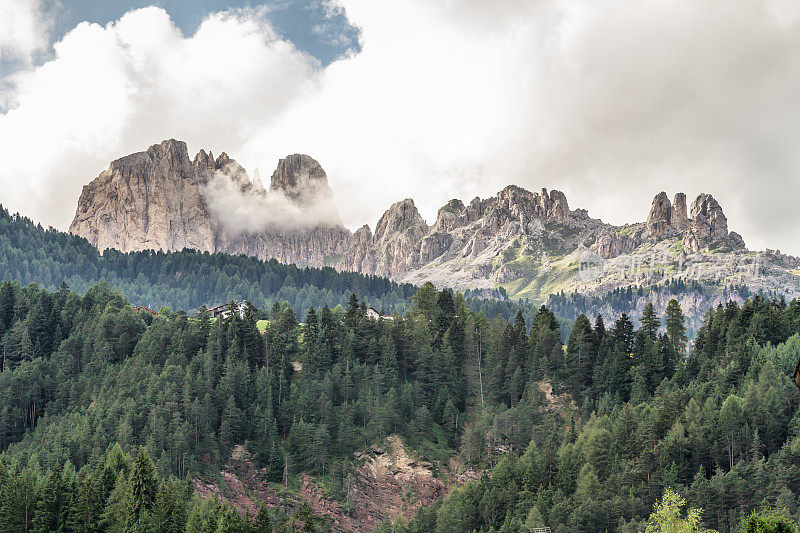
(7,303)
(50,505)
(263,521)
(353,312)
(623,334)
(424,301)
(142,487)
(676,328)
(581,355)
(650,321)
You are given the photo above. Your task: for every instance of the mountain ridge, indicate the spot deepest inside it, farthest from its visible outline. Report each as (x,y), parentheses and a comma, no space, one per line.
(530,243)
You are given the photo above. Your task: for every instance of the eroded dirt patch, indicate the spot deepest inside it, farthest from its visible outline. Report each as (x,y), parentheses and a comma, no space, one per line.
(389,482)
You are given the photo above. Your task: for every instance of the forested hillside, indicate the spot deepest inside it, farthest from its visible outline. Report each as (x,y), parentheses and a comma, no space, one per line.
(720,427)
(190,279)
(104,412)
(180,280)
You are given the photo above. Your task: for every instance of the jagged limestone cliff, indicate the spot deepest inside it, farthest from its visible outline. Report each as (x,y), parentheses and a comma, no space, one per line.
(157,199)
(530,243)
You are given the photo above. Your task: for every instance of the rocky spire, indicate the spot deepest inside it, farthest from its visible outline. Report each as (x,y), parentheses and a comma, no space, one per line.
(258,185)
(670,218)
(558,207)
(708,224)
(708,220)
(401,216)
(169,153)
(526,205)
(204,161)
(301,179)
(680,219)
(659,221)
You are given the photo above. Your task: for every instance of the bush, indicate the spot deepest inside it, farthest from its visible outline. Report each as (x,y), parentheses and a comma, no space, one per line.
(768,522)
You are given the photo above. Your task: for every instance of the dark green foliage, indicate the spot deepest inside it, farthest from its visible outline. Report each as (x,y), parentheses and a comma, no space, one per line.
(720,426)
(585,436)
(185,390)
(116,495)
(768,522)
(180,280)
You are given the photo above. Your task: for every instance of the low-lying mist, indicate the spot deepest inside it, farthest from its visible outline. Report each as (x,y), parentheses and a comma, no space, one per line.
(247,208)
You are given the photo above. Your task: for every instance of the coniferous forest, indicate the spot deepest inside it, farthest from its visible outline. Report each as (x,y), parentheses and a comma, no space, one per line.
(107,416)
(190,279)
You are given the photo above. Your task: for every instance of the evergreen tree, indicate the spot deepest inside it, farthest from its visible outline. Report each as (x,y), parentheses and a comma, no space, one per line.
(650,321)
(676,328)
(142,487)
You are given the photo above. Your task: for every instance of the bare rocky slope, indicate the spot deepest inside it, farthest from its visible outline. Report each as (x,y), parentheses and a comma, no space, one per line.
(158,199)
(388,482)
(530,243)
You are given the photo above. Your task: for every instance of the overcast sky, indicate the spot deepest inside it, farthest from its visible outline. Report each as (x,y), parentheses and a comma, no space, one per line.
(610,102)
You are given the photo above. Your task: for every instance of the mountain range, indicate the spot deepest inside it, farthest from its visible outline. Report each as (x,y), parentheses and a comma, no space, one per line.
(530,244)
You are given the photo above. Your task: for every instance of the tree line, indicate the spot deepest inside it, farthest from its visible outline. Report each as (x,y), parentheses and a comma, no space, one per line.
(582,435)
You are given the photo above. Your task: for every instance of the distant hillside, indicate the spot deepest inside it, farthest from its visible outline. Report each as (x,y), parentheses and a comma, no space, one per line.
(189,279)
(532,245)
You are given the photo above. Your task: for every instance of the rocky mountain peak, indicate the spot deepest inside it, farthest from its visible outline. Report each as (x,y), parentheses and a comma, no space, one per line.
(146,200)
(708,224)
(704,224)
(363,235)
(680,219)
(159,199)
(204,161)
(222,160)
(558,208)
(174,152)
(524,204)
(301,179)
(659,220)
(448,215)
(401,216)
(707,215)
(233,171)
(258,185)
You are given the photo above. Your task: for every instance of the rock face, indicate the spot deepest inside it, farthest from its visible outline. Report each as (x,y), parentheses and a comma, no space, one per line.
(680,220)
(148,200)
(659,221)
(466,240)
(705,225)
(301,179)
(529,240)
(388,483)
(530,243)
(157,200)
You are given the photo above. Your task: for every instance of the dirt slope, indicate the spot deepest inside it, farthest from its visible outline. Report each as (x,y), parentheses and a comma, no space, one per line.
(389,482)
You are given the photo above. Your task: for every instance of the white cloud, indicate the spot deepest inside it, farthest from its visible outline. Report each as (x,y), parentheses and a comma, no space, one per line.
(23,29)
(609,102)
(117,89)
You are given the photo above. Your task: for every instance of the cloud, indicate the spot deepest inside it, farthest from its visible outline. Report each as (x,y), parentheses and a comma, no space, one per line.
(244,206)
(117,89)
(609,102)
(23,30)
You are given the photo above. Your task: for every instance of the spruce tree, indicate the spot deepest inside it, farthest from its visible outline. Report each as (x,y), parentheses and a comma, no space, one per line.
(650,321)
(676,328)
(142,487)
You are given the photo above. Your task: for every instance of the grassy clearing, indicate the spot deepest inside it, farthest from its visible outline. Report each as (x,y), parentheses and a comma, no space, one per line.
(538,288)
